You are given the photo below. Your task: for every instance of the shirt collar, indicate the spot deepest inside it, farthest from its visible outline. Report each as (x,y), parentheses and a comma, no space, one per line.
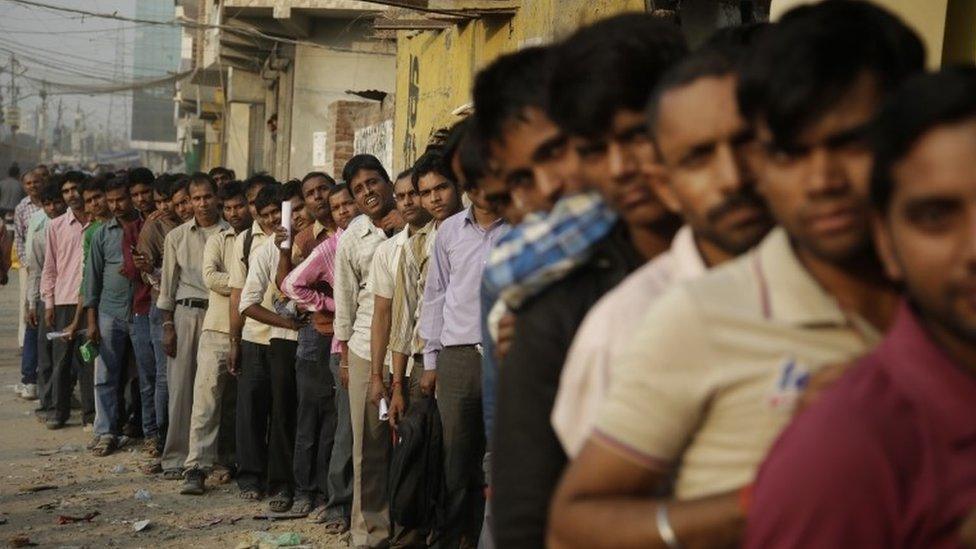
(688,261)
(113,223)
(469,219)
(788,291)
(317,229)
(931,378)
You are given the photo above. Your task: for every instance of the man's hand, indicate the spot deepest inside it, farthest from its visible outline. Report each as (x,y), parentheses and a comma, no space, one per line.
(157,214)
(234,359)
(344,376)
(392,221)
(30,317)
(281,235)
(142,263)
(94,334)
(3,278)
(506,335)
(428,382)
(169,339)
(49,318)
(398,406)
(377,389)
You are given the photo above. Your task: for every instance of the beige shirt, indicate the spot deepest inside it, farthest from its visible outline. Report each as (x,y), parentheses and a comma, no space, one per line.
(218,254)
(182,271)
(605,333)
(253,331)
(382,273)
(353,299)
(712,373)
(260,284)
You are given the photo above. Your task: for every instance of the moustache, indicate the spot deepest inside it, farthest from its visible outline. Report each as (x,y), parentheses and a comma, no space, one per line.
(746,199)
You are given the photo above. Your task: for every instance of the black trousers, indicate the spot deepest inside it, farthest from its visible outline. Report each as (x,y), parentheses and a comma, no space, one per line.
(316,425)
(68,367)
(45,365)
(266,411)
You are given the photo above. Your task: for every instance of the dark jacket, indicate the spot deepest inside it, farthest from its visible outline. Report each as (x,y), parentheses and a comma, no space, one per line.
(527,458)
(416,467)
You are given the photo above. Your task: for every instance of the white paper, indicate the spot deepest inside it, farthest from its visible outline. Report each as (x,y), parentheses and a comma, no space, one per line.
(51,336)
(384,410)
(286,223)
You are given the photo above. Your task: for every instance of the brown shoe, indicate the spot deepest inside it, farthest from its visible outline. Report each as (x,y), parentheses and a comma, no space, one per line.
(150,447)
(106,445)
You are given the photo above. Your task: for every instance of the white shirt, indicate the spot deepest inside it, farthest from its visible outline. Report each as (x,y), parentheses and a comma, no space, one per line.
(382,275)
(260,281)
(604,335)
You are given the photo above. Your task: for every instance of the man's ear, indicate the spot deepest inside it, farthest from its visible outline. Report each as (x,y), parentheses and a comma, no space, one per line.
(884,245)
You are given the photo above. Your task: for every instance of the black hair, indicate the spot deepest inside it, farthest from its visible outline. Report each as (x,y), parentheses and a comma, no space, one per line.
(258,180)
(73,177)
(230,190)
(923,103)
(454,137)
(267,196)
(406,173)
(721,55)
(118,182)
(141,176)
(290,190)
(163,185)
(610,65)
(14,171)
(473,157)
(812,57)
(431,162)
(201,178)
(323,175)
(338,189)
(221,170)
(180,183)
(362,162)
(51,190)
(507,87)
(95,184)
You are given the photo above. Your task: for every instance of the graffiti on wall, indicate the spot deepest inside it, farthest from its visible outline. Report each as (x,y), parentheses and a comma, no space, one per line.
(377,140)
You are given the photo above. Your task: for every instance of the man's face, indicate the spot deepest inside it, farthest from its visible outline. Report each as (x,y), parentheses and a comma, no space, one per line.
(119,203)
(221,179)
(32,181)
(95,204)
(702,140)
(142,198)
(438,195)
(182,205)
(299,215)
(316,193)
(344,208)
(616,165)
(163,203)
(71,193)
(54,208)
(373,194)
(203,201)
(501,201)
(236,213)
(817,188)
(535,161)
(252,195)
(926,238)
(270,216)
(408,202)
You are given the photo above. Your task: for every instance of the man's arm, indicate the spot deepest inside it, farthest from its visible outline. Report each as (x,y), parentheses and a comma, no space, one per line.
(404,304)
(215,277)
(346,292)
(49,273)
(285,264)
(167,293)
(256,286)
(432,309)
(93,283)
(379,339)
(300,284)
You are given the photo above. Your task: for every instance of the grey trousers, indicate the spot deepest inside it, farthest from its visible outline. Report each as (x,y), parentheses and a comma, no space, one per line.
(340,462)
(459,403)
(212,386)
(181,374)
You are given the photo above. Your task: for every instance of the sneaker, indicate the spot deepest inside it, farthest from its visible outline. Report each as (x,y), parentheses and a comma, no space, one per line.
(29,392)
(193,483)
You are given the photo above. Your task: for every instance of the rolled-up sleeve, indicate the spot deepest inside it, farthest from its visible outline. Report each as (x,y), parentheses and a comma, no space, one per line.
(258,276)
(301,283)
(346,290)
(215,277)
(170,276)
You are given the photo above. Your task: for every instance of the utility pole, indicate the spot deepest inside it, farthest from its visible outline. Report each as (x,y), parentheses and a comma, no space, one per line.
(42,124)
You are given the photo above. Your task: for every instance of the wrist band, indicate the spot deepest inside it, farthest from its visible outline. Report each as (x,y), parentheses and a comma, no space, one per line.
(664,528)
(344,366)
(169,323)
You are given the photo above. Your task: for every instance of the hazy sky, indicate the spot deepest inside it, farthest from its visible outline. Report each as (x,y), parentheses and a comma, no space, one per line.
(72,49)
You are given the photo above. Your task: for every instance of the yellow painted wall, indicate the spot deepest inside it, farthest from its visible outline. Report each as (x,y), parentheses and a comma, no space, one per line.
(436,69)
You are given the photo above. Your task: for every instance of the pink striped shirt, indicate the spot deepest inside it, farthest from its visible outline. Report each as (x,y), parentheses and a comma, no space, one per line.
(304,284)
(61,275)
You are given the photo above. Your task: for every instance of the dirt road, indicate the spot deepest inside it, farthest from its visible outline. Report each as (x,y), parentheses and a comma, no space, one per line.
(33,457)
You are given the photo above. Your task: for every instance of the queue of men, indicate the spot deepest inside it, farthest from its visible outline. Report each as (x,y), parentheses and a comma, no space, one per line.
(643,297)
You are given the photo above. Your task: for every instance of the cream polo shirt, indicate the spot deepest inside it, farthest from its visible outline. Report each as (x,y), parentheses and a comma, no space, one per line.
(605,333)
(254,331)
(712,373)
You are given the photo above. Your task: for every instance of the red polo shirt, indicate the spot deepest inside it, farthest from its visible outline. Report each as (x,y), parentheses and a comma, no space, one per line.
(886,458)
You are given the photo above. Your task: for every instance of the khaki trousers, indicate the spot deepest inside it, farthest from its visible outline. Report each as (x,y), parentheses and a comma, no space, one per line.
(370,459)
(211,389)
(181,373)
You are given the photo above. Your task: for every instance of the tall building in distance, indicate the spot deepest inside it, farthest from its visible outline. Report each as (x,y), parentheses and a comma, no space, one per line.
(156,53)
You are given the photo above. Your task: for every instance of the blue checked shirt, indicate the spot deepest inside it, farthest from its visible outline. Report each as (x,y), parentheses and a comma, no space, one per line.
(543,250)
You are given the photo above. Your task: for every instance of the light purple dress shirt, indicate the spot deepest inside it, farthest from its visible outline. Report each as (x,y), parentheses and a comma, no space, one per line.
(451,310)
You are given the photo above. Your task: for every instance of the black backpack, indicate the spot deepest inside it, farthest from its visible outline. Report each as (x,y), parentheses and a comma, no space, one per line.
(416,479)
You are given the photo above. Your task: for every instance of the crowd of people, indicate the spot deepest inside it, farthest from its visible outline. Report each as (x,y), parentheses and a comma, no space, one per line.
(642,297)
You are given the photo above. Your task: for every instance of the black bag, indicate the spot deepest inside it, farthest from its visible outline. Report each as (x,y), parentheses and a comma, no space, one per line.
(416,479)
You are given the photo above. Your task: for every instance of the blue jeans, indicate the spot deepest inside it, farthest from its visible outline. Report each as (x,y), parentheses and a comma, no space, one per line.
(111,361)
(28,361)
(141,334)
(162,386)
